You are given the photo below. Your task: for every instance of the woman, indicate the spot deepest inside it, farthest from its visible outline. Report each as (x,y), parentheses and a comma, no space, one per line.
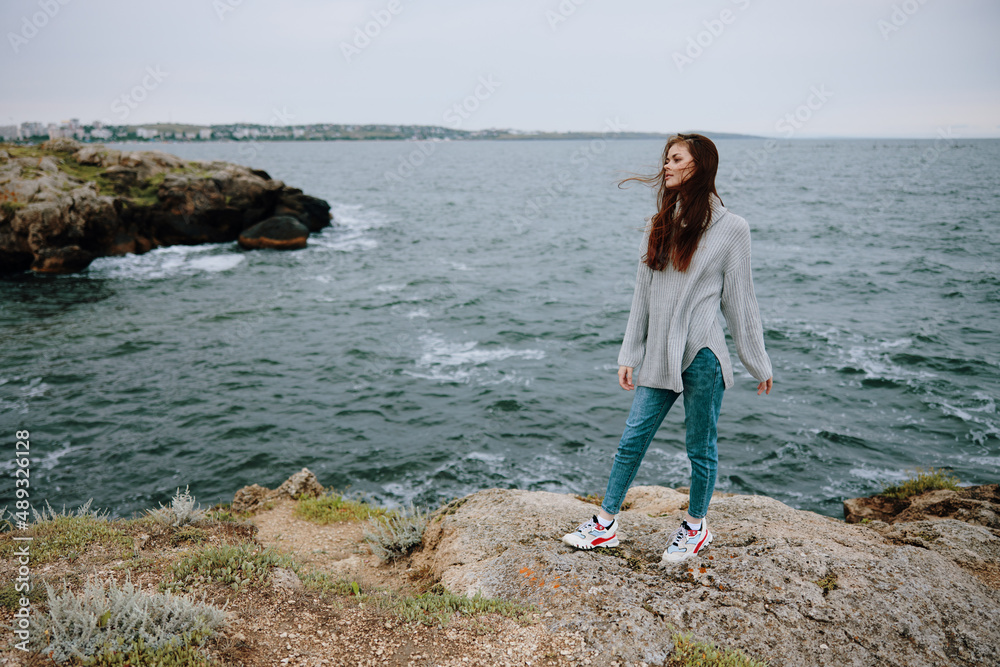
(695,259)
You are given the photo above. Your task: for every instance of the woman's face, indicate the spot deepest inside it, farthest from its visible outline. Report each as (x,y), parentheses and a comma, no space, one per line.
(680,165)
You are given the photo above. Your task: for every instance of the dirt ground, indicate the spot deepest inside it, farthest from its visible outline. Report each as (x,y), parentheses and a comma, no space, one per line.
(288,624)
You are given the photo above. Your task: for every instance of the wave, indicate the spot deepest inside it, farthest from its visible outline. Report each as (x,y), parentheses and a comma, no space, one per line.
(448,361)
(351,230)
(177,260)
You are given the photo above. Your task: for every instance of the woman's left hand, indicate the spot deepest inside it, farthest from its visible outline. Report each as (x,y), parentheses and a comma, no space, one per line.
(764,386)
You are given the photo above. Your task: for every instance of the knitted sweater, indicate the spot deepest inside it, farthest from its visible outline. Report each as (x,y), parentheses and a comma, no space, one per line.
(675,314)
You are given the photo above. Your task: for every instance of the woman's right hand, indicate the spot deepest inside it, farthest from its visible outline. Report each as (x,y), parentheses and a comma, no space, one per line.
(625,378)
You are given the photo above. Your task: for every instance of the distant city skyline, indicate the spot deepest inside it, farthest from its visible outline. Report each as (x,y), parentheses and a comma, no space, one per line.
(825,69)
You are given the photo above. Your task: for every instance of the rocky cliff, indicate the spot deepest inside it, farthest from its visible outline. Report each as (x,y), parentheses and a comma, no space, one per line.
(63,204)
(788,586)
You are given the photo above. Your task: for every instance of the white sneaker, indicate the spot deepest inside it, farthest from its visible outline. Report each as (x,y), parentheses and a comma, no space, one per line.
(591,534)
(686,542)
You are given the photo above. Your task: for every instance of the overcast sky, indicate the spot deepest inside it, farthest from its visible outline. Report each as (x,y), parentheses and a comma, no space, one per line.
(866,68)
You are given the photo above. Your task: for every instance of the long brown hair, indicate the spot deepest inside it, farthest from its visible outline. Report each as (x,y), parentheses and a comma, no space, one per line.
(673,238)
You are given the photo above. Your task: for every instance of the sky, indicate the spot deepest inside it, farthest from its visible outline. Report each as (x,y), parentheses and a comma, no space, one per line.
(782,68)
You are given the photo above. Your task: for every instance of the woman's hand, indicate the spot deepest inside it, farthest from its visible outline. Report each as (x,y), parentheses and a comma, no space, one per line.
(625,378)
(764,386)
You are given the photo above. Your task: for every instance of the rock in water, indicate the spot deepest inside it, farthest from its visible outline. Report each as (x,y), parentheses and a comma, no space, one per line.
(281,232)
(63,204)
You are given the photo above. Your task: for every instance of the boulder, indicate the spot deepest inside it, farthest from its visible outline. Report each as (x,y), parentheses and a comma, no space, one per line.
(62,145)
(312,212)
(253,497)
(279,233)
(301,484)
(67,259)
(788,586)
(250,498)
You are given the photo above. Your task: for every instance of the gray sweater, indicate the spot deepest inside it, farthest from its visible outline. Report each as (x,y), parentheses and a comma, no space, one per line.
(675,314)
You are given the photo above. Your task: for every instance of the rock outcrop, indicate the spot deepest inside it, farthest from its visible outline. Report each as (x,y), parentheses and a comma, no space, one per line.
(63,204)
(789,586)
(973,504)
(253,497)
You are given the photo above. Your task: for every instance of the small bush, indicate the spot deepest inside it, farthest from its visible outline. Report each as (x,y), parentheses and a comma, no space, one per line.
(828,583)
(179,653)
(105,616)
(236,565)
(922,481)
(396,535)
(10,597)
(11,207)
(691,653)
(188,534)
(332,507)
(69,534)
(322,582)
(437,608)
(181,511)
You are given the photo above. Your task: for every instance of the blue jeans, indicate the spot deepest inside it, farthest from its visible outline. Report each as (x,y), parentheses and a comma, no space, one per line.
(703,387)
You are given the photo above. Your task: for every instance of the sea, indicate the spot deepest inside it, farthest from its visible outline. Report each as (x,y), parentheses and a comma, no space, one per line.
(457,328)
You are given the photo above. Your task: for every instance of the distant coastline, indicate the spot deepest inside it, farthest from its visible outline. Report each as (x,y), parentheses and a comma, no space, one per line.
(98,132)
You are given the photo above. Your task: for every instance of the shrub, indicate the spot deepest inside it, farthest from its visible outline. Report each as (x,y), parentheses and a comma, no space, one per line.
(69,534)
(922,481)
(108,617)
(173,654)
(233,564)
(332,507)
(181,511)
(11,207)
(691,653)
(437,608)
(396,535)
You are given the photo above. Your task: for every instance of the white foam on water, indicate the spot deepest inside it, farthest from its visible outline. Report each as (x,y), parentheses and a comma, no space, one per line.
(447,361)
(878,474)
(216,263)
(986,461)
(975,415)
(486,457)
(351,228)
(419,312)
(390,288)
(168,262)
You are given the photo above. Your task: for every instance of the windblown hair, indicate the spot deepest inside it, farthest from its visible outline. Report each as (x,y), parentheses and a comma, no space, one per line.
(674,234)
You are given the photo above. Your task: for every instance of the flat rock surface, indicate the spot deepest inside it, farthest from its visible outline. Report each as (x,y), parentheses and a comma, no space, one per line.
(784,585)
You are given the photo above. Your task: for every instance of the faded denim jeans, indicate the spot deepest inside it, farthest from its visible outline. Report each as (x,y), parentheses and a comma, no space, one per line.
(703,387)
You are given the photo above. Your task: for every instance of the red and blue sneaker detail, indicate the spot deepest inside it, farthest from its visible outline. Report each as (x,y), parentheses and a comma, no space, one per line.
(686,542)
(592,534)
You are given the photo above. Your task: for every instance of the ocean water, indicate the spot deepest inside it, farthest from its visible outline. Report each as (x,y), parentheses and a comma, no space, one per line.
(458,328)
